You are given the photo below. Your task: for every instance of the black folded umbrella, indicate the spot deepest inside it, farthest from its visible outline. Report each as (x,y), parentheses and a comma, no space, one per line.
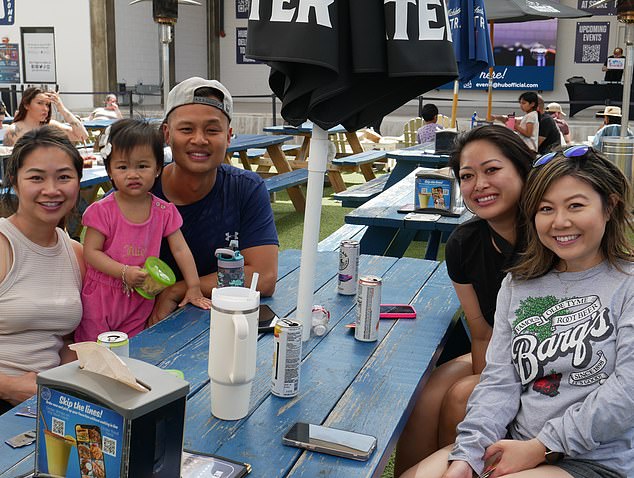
(351,61)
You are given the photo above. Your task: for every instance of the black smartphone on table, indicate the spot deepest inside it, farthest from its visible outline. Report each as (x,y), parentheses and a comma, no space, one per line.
(332,441)
(267,319)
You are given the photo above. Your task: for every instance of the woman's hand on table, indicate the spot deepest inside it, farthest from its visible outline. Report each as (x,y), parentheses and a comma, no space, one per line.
(16,389)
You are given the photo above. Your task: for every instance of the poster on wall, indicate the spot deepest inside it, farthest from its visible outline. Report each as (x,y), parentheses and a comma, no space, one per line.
(7,12)
(607,8)
(524,58)
(38,54)
(242,8)
(591,42)
(241,48)
(9,63)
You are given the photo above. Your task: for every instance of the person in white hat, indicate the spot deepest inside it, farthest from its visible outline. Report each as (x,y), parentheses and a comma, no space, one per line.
(611,126)
(218,202)
(554,110)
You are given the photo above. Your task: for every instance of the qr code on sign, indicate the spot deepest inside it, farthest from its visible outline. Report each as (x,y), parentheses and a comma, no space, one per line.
(591,54)
(58,426)
(109,446)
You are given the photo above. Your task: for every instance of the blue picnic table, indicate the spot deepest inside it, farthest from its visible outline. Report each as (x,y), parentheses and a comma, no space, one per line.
(367,387)
(390,232)
(305,130)
(408,159)
(273,145)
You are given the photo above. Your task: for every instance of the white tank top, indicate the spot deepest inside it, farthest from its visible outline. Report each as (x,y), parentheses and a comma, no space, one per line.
(40,302)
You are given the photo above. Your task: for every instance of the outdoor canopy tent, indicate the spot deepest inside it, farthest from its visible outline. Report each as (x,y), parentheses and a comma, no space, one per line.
(345,62)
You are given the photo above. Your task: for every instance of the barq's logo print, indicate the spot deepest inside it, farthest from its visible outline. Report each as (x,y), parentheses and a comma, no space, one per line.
(548,328)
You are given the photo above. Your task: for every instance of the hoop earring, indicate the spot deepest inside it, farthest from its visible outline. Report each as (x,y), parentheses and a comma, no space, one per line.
(467,208)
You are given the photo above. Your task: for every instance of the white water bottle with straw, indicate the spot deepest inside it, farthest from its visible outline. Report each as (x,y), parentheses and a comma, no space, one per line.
(232,349)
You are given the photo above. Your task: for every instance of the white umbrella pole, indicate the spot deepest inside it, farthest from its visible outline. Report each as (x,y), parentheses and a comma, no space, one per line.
(317,162)
(454,103)
(627,78)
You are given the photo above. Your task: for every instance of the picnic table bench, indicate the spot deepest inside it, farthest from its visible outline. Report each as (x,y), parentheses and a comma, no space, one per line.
(254,156)
(286,180)
(347,231)
(368,387)
(358,195)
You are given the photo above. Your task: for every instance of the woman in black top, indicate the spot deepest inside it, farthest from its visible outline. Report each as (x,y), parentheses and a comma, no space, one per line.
(491,164)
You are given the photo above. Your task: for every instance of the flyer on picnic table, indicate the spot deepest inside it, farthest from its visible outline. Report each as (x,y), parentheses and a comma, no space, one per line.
(201,465)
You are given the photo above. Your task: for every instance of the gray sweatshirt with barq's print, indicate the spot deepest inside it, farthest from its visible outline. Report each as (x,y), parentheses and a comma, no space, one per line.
(560,367)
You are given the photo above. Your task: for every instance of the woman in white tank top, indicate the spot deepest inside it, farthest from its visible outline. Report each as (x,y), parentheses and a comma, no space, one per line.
(41,268)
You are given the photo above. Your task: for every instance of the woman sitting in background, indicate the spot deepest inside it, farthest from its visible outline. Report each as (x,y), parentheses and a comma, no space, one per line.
(35,111)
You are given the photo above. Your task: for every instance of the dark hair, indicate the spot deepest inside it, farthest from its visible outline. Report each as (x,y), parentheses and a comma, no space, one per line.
(44,137)
(27,97)
(511,145)
(3,109)
(129,133)
(530,97)
(613,119)
(607,180)
(429,111)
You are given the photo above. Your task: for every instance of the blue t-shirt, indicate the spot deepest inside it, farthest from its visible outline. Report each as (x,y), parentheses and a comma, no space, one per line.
(238,203)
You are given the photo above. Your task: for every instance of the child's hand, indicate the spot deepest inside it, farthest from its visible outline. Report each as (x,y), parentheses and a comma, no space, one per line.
(195,297)
(135,276)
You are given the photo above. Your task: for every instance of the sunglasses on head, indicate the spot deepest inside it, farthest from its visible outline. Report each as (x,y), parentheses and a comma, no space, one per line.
(572,152)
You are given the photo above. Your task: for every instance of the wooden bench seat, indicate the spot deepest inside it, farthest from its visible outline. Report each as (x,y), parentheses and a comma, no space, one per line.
(360,161)
(355,197)
(286,180)
(347,231)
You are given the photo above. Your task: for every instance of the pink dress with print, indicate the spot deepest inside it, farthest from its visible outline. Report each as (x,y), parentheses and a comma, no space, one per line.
(105,305)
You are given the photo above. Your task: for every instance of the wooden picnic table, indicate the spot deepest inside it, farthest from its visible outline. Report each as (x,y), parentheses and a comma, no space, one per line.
(391,232)
(408,159)
(273,145)
(305,130)
(367,387)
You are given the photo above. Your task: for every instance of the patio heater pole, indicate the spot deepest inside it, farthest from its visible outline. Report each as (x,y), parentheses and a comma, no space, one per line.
(317,161)
(625,14)
(165,13)
(165,36)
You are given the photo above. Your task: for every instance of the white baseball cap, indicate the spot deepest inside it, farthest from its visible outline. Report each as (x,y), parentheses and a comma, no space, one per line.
(554,108)
(185,94)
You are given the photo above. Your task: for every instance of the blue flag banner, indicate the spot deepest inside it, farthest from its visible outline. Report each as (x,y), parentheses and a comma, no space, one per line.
(470,35)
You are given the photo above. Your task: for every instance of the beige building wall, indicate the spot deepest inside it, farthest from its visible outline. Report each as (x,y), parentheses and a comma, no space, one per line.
(71,21)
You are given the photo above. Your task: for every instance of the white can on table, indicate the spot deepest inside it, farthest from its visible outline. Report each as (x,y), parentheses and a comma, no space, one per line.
(287,358)
(349,252)
(116,341)
(366,327)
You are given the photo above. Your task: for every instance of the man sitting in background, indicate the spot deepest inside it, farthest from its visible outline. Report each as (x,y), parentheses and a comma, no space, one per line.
(554,110)
(611,126)
(427,132)
(549,136)
(110,110)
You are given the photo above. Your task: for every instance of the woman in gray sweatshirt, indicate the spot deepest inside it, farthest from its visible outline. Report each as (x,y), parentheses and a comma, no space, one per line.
(556,397)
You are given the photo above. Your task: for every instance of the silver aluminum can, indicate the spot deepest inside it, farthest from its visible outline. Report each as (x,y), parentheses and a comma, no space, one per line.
(287,358)
(116,341)
(368,309)
(349,252)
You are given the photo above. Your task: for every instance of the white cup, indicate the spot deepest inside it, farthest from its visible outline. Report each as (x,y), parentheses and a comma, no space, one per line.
(232,350)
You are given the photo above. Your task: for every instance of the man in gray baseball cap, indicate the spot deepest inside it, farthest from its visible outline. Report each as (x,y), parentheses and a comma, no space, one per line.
(219,203)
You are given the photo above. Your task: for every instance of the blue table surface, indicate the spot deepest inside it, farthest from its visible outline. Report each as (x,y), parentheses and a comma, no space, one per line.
(242,142)
(416,152)
(304,128)
(98,123)
(368,387)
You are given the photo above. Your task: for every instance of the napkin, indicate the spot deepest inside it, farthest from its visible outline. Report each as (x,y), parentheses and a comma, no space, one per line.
(101,360)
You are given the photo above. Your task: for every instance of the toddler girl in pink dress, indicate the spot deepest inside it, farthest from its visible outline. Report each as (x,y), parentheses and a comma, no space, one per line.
(126,227)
